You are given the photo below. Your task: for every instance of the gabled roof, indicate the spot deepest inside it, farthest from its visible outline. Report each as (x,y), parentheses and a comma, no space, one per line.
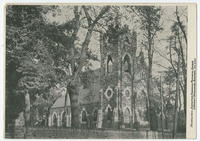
(60,102)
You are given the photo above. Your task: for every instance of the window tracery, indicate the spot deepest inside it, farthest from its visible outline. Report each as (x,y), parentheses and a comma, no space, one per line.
(127,64)
(109,64)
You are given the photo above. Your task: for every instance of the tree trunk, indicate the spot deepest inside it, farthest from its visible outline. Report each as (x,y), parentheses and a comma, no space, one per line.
(27,109)
(176,100)
(162,117)
(27,112)
(148,97)
(184,70)
(149,80)
(180,25)
(72,87)
(73,94)
(132,98)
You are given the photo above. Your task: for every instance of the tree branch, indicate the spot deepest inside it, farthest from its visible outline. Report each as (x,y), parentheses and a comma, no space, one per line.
(89,19)
(102,12)
(87,39)
(171,60)
(95,30)
(181,25)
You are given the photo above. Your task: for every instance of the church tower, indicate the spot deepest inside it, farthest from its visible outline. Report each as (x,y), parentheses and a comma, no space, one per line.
(117,75)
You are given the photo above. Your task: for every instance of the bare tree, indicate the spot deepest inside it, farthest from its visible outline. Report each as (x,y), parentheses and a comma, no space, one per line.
(150,19)
(182,50)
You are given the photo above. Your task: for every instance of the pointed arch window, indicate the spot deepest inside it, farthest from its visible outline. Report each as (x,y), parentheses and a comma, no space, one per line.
(55,120)
(95,115)
(127,64)
(84,116)
(64,119)
(142,74)
(127,93)
(109,64)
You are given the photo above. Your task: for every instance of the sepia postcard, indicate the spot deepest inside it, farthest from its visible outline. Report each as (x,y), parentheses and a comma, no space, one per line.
(100,71)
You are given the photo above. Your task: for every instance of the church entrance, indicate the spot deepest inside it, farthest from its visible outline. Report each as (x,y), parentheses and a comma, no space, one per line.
(127,118)
(109,118)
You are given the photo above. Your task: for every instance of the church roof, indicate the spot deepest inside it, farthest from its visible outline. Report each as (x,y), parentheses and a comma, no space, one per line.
(60,102)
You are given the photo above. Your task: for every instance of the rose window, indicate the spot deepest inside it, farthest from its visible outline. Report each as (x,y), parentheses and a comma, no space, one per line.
(127,93)
(109,94)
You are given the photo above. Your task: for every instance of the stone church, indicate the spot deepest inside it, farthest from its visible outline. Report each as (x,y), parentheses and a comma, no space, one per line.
(114,95)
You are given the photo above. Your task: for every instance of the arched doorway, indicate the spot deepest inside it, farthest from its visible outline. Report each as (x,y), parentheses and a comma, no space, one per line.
(127,116)
(109,118)
(109,114)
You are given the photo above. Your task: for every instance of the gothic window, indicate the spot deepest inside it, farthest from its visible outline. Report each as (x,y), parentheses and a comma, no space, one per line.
(95,115)
(142,75)
(127,93)
(84,116)
(55,120)
(64,119)
(109,64)
(127,116)
(127,64)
